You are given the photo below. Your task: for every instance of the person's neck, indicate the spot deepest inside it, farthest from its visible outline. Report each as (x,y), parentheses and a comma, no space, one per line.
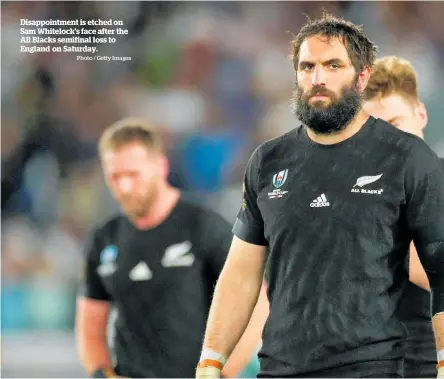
(350,130)
(160,209)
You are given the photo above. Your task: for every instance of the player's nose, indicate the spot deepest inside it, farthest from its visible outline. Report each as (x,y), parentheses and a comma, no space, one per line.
(319,77)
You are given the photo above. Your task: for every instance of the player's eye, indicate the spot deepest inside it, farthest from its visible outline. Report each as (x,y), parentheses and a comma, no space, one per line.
(307,67)
(334,66)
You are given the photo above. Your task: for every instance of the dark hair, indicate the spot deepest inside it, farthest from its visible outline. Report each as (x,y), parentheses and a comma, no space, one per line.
(361,50)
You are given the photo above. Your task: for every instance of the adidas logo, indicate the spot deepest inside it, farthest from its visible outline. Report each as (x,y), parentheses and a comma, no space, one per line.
(320,201)
(140,272)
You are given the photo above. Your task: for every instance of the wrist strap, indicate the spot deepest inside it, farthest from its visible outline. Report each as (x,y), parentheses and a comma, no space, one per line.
(103,373)
(441,355)
(211,358)
(210,363)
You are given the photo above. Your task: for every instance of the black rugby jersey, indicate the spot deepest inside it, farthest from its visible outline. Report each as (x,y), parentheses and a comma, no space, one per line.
(338,220)
(160,282)
(420,350)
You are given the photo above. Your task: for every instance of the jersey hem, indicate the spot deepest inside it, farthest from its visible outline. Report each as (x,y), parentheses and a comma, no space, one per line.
(357,370)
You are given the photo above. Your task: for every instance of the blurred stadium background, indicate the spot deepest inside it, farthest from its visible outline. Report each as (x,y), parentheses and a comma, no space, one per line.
(214,76)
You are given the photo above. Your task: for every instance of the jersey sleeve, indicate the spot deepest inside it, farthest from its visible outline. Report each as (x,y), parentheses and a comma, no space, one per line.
(92,286)
(249,225)
(424,186)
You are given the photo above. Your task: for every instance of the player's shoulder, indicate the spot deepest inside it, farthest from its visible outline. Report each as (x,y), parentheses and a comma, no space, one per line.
(277,146)
(102,236)
(396,140)
(108,226)
(198,212)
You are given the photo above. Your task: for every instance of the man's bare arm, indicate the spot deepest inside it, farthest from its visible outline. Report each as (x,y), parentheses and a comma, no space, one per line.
(235,296)
(438,327)
(250,340)
(417,274)
(91,321)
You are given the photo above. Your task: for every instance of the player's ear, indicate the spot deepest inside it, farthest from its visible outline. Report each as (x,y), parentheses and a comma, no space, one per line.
(421,112)
(363,78)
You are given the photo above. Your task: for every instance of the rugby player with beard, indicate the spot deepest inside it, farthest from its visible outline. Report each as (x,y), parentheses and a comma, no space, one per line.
(332,206)
(154,265)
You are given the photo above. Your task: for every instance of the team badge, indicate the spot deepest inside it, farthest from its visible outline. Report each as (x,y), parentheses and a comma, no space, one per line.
(278,181)
(108,254)
(108,258)
(280,178)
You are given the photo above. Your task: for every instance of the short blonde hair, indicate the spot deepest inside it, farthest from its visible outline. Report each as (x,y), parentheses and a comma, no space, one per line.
(392,75)
(130,130)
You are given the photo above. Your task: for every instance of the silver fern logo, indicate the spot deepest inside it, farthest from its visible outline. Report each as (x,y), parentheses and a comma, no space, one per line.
(365,180)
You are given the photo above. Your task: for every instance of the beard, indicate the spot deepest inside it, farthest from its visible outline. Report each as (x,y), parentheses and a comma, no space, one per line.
(326,118)
(137,206)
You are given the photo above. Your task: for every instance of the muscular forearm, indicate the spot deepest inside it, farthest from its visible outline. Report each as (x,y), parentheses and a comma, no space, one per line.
(92,347)
(250,340)
(233,303)
(94,354)
(438,327)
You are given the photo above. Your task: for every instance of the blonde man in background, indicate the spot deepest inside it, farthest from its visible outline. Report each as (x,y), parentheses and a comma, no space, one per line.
(156,264)
(392,95)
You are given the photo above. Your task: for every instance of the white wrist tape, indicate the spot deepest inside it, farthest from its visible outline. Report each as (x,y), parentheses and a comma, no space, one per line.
(213,355)
(208,373)
(441,355)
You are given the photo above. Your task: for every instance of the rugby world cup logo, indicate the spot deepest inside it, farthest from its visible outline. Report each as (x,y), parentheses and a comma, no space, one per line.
(280,178)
